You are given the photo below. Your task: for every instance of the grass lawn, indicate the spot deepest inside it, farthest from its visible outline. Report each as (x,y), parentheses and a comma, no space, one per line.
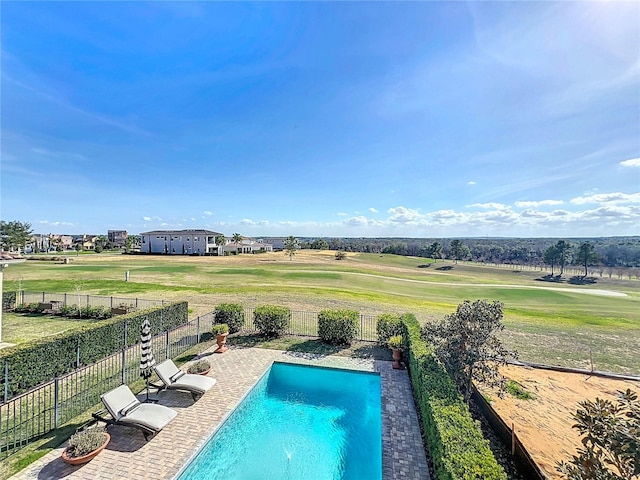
(546,322)
(24,327)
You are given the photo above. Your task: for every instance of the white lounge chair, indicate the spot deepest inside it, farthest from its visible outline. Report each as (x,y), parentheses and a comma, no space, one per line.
(173,378)
(125,409)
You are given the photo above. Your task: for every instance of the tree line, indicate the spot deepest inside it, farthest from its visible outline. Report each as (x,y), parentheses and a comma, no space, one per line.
(605,251)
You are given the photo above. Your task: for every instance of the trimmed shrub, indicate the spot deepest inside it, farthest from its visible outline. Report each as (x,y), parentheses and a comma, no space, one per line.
(271,320)
(41,360)
(454,440)
(230,313)
(387,326)
(338,327)
(8,300)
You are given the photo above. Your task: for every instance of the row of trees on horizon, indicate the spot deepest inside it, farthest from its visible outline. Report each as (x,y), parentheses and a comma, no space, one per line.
(605,251)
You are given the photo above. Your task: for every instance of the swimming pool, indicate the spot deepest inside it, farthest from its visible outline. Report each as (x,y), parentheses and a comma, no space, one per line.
(299,423)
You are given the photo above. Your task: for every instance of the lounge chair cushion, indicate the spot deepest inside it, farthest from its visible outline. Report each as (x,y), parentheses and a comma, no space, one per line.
(118,400)
(194,383)
(171,376)
(150,415)
(124,407)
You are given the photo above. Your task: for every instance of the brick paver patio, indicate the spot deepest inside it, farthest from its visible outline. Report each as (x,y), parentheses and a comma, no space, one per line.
(128,455)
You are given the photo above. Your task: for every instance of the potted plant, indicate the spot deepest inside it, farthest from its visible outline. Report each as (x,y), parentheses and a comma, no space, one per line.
(85,445)
(395,344)
(201,367)
(220,330)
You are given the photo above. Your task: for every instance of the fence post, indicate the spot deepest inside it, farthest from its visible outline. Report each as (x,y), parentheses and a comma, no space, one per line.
(78,356)
(136,303)
(124,365)
(56,401)
(198,330)
(42,297)
(6,380)
(65,299)
(88,300)
(124,335)
(166,346)
(361,328)
(111,302)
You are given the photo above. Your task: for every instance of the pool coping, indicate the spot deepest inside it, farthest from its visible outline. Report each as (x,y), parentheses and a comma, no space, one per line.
(237,371)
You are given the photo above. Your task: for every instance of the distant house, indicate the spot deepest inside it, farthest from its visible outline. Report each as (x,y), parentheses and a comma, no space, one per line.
(247,245)
(86,242)
(277,243)
(117,237)
(180,242)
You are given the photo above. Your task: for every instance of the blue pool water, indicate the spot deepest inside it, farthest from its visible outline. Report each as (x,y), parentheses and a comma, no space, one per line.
(299,423)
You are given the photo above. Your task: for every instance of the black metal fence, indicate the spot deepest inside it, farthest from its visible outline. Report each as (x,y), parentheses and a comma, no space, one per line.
(305,323)
(48,406)
(83,301)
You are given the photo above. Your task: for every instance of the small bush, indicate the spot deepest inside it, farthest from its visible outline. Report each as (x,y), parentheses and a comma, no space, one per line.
(516,390)
(199,367)
(271,320)
(388,325)
(85,441)
(340,255)
(230,313)
(8,300)
(220,329)
(338,327)
(395,342)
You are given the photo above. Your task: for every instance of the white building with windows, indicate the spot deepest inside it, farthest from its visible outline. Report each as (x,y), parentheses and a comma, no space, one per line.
(180,242)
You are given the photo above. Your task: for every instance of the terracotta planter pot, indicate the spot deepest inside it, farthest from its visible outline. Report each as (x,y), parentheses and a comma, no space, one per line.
(85,458)
(397,359)
(221,340)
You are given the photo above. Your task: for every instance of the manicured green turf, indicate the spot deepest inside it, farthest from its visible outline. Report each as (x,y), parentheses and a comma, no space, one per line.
(547,322)
(23,327)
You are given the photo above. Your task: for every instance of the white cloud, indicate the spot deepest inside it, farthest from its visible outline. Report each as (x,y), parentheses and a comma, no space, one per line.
(471,182)
(208,213)
(404,215)
(536,204)
(497,206)
(632,162)
(612,198)
(146,219)
(356,221)
(373,210)
(247,221)
(342,214)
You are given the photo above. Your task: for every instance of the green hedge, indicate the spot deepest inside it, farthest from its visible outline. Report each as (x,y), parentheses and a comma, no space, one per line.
(271,320)
(454,440)
(37,362)
(230,313)
(338,326)
(388,325)
(8,300)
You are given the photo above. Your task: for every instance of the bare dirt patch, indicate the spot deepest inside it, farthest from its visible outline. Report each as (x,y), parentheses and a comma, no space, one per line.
(544,424)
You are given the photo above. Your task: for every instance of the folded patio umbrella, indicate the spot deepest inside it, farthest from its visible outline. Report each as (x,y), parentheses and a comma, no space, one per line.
(147,361)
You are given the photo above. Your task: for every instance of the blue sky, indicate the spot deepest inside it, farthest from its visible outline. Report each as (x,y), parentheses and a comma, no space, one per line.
(353,119)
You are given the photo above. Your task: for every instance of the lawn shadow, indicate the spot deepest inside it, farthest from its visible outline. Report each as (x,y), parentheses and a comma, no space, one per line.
(424,265)
(445,267)
(577,280)
(313,348)
(551,278)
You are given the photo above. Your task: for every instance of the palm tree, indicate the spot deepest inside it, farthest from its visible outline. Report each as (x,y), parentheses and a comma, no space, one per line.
(221,241)
(237,239)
